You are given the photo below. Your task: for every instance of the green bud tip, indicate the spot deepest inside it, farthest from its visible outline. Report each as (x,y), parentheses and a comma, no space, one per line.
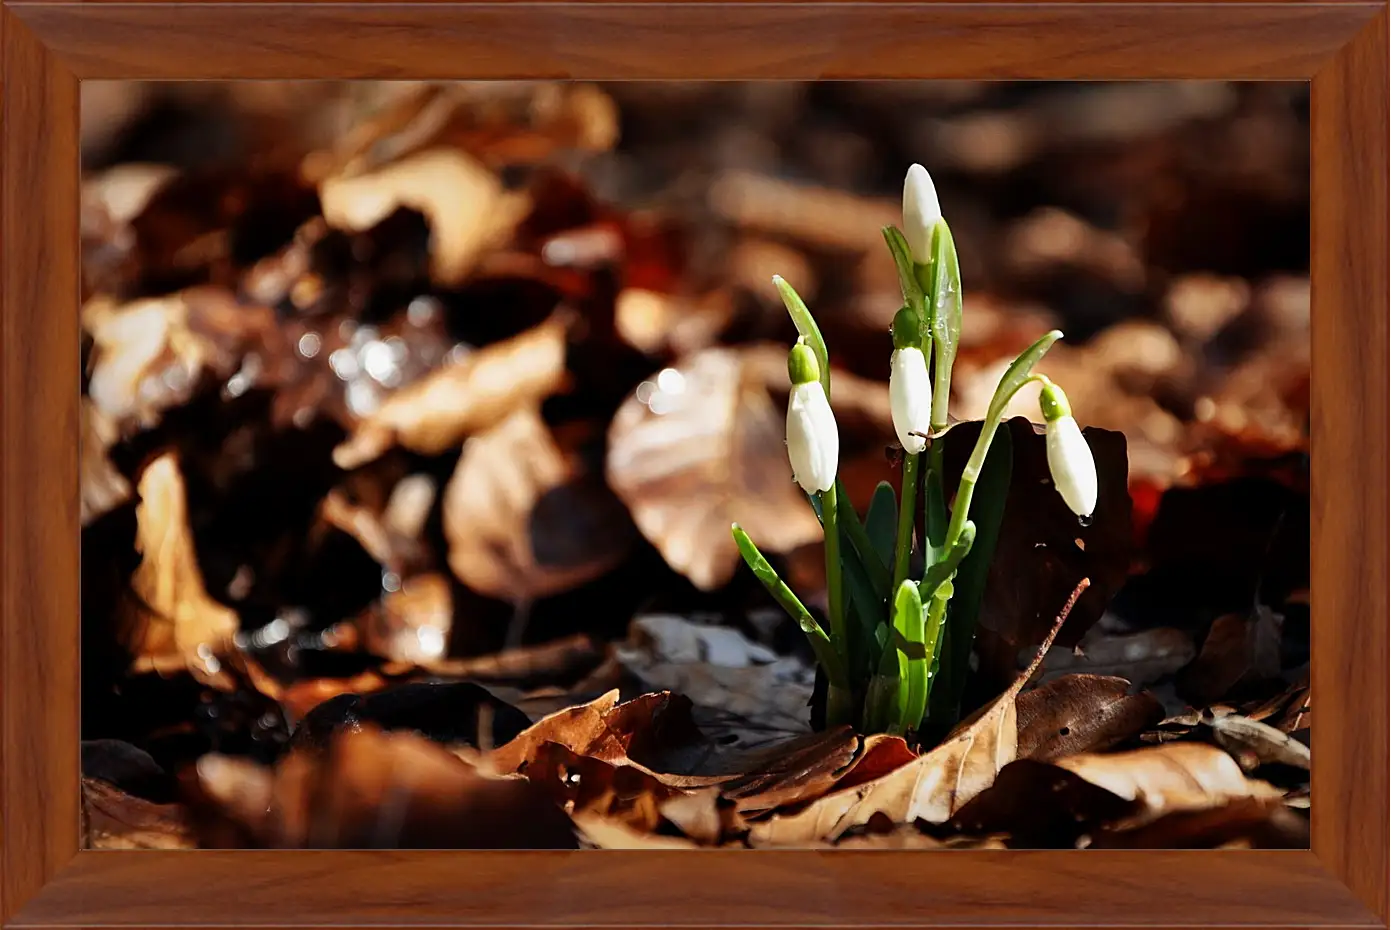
(907,330)
(801,364)
(1053,402)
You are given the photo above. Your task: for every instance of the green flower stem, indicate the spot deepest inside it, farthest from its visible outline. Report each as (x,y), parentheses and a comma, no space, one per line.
(903,546)
(936,618)
(960,510)
(840,706)
(835,604)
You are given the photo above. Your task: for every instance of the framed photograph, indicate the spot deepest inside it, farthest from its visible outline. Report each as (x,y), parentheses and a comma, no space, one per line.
(694,464)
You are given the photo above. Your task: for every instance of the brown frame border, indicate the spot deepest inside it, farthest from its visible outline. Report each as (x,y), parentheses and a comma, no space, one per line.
(45,881)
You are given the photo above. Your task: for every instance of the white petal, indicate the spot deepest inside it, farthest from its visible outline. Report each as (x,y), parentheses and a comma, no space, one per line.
(1071,463)
(921,211)
(910,398)
(813,442)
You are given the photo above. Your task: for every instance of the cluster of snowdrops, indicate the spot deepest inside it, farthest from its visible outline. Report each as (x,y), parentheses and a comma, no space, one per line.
(894,636)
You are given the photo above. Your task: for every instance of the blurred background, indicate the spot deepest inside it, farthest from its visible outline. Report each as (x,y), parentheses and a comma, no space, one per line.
(389,382)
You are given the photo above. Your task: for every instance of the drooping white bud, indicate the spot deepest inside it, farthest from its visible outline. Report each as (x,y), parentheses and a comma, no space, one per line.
(813,442)
(910,398)
(1069,457)
(921,211)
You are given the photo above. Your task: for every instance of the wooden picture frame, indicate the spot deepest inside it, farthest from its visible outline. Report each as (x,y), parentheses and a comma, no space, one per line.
(48,48)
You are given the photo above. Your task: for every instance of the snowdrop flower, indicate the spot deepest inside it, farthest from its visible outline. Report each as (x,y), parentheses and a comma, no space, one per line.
(813,443)
(921,211)
(910,386)
(1069,457)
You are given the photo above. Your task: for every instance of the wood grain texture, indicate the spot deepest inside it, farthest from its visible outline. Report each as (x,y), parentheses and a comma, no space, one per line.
(38,467)
(705,889)
(1348,441)
(45,882)
(684,40)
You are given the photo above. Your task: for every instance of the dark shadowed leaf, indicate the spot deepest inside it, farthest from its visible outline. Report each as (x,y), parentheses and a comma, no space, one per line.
(1241,651)
(1042,548)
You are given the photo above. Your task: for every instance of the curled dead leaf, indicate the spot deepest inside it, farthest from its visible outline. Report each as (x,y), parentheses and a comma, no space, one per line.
(697,450)
(171,616)
(1264,744)
(605,730)
(524,519)
(463,397)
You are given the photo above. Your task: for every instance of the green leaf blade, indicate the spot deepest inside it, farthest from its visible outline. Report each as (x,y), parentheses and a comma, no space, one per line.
(806,328)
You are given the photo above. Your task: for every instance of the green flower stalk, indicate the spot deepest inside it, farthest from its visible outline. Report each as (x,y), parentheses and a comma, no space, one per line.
(891,634)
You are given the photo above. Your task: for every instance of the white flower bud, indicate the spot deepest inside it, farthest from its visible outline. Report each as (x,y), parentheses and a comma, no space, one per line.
(813,442)
(921,211)
(1071,464)
(910,398)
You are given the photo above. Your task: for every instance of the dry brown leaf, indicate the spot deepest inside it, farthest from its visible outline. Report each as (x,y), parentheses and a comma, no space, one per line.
(1263,744)
(932,787)
(374,790)
(605,730)
(112,819)
(436,413)
(524,519)
(626,793)
(464,202)
(171,617)
(103,487)
(1171,777)
(701,449)
(790,772)
(1081,713)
